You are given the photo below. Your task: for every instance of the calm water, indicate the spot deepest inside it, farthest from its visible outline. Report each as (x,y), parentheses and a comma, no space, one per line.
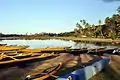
(53,42)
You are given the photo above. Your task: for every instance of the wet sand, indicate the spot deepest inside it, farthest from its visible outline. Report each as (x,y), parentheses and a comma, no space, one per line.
(16,73)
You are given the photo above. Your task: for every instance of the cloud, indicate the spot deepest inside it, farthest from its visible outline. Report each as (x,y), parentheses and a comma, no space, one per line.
(110,0)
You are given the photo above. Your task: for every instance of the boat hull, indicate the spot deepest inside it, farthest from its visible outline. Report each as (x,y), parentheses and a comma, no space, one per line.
(8,63)
(46,74)
(101,52)
(12,48)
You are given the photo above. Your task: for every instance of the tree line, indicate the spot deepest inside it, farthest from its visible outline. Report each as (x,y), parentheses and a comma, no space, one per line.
(110,28)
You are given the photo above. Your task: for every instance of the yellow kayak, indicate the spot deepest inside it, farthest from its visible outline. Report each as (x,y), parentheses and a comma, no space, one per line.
(16,59)
(46,73)
(13,56)
(44,49)
(11,48)
(30,50)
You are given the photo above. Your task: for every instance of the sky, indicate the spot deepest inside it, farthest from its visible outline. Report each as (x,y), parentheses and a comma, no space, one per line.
(36,16)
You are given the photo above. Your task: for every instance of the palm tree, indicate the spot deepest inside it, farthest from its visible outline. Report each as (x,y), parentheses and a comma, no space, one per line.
(93,30)
(79,28)
(87,29)
(118,9)
(83,22)
(100,28)
(107,21)
(76,32)
(78,25)
(99,22)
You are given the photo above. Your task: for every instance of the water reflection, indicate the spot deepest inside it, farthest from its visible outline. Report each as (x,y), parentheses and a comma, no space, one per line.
(53,42)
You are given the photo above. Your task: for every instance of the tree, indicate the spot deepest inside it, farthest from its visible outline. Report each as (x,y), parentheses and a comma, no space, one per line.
(107,21)
(114,24)
(99,22)
(79,28)
(1,35)
(118,9)
(87,29)
(78,25)
(99,28)
(111,28)
(83,22)
(107,31)
(76,32)
(93,30)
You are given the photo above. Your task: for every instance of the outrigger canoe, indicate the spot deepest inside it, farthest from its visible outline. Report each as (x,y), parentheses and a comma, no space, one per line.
(12,48)
(46,73)
(44,49)
(14,59)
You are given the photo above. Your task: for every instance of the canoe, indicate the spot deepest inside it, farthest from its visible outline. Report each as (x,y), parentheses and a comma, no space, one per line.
(20,55)
(97,49)
(12,48)
(31,50)
(71,51)
(58,47)
(46,49)
(46,73)
(77,51)
(87,72)
(101,51)
(15,59)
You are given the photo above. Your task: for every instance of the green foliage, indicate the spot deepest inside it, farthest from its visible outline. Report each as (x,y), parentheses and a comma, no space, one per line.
(118,9)
(111,28)
(114,24)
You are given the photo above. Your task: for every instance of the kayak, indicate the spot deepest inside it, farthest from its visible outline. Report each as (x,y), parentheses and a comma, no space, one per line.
(31,50)
(97,50)
(14,59)
(87,72)
(44,49)
(46,73)
(101,51)
(11,48)
(58,47)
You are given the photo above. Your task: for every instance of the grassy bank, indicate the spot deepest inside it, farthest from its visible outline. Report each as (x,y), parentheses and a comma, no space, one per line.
(65,38)
(89,39)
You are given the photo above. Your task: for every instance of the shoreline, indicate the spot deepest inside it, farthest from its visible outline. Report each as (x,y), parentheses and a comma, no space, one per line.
(117,41)
(91,39)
